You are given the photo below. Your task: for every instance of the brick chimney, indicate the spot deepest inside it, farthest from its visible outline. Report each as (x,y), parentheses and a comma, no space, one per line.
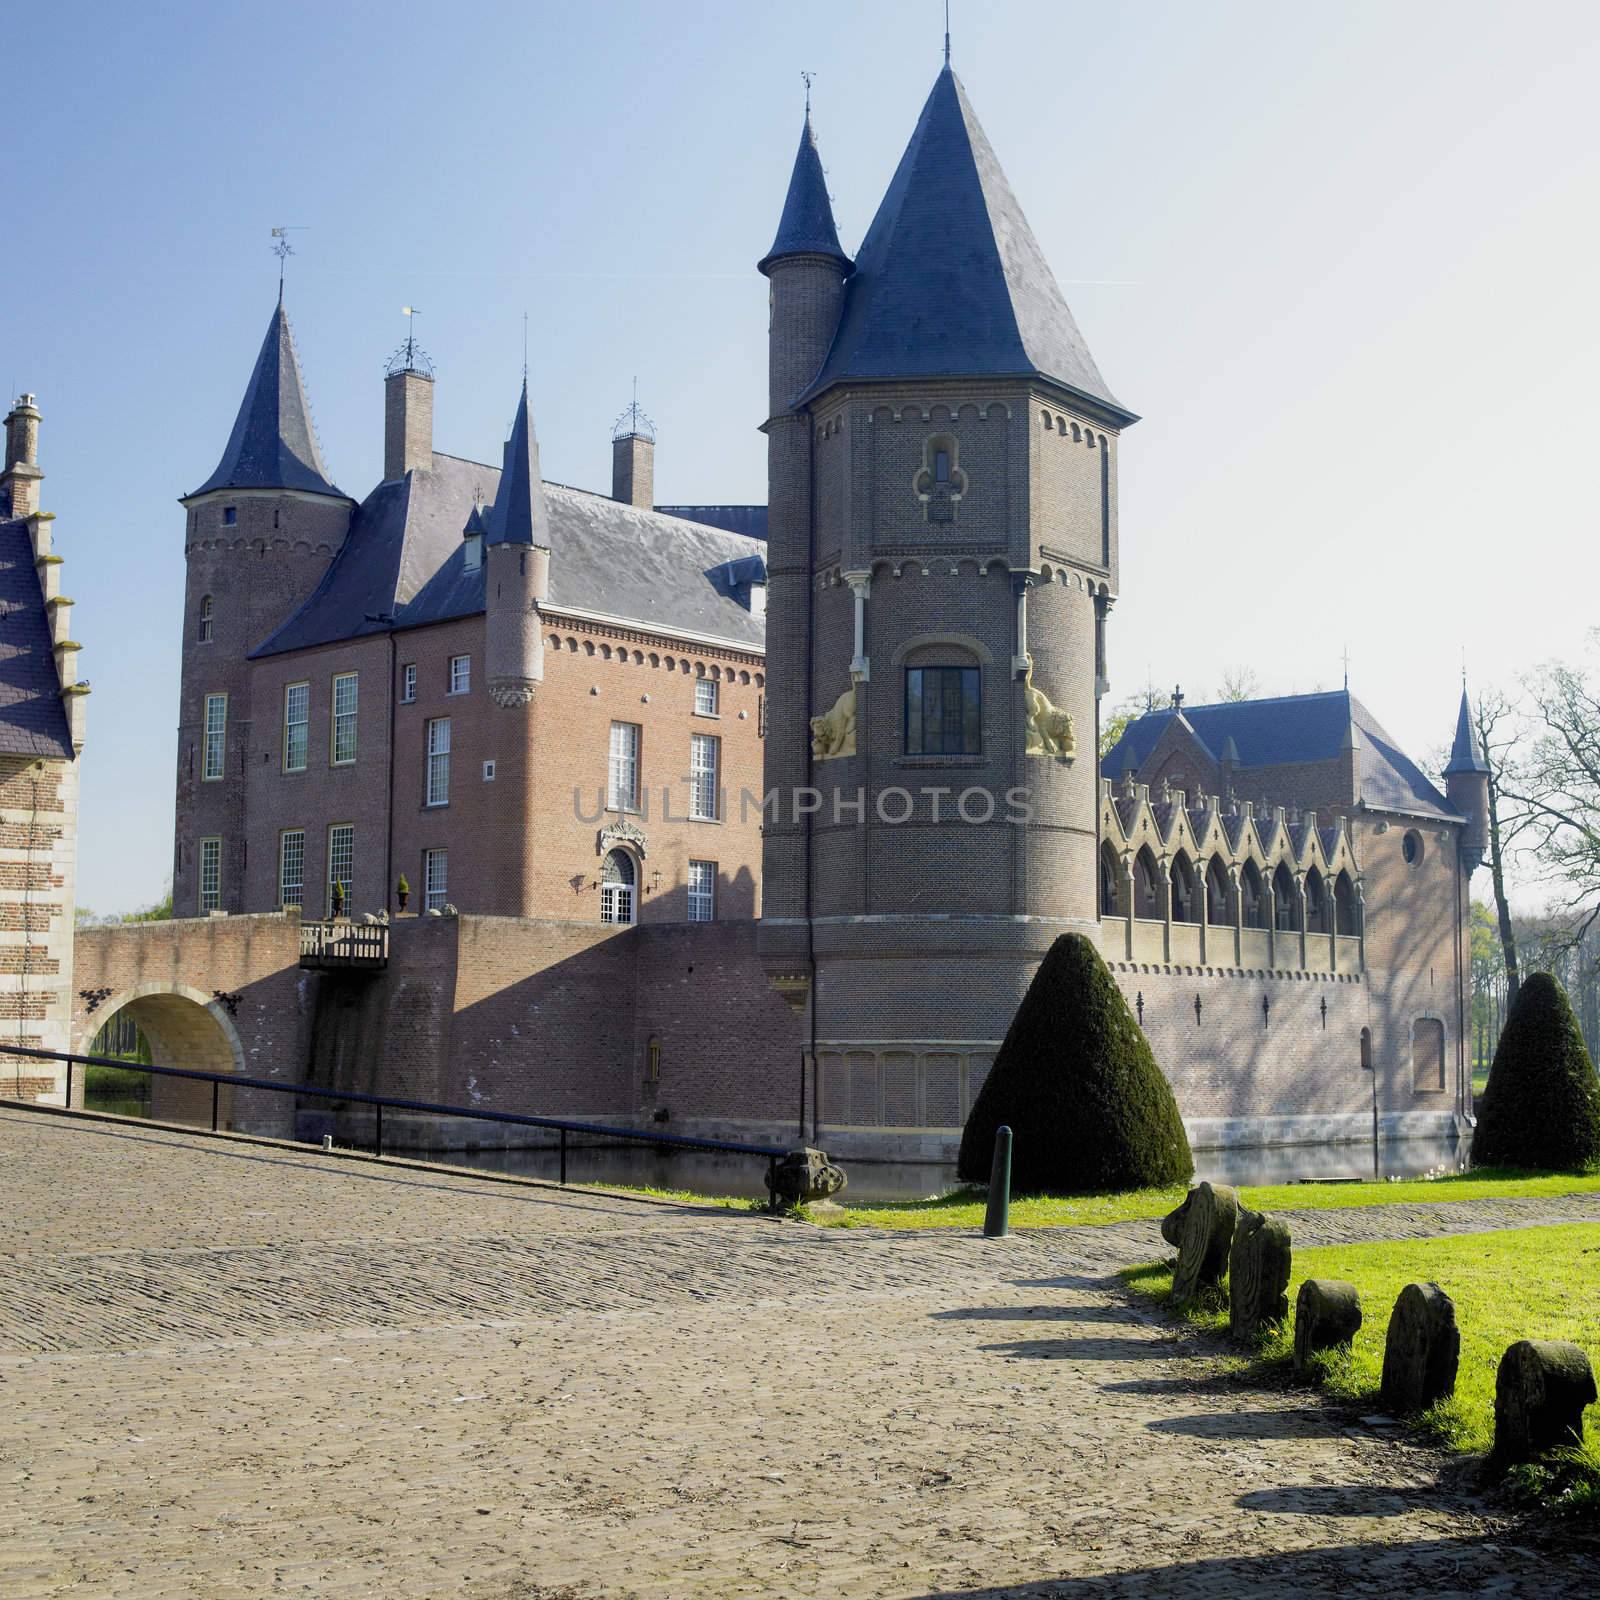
(633,470)
(19,483)
(407,422)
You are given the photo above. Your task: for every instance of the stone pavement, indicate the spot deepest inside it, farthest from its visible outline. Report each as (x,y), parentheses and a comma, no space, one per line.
(235,1370)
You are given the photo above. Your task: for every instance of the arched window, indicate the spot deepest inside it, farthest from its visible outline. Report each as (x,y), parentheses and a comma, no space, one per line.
(617,887)
(1183,896)
(1219,913)
(1366,1049)
(1316,903)
(204,632)
(1110,883)
(1283,913)
(1253,893)
(1146,896)
(944,704)
(1344,904)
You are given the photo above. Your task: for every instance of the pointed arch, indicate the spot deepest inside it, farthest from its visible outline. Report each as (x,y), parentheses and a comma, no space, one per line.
(1284,917)
(1346,915)
(1185,900)
(1219,900)
(1252,892)
(1316,902)
(1147,886)
(1113,882)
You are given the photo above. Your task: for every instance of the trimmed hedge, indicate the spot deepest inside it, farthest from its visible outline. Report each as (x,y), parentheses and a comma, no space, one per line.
(1087,1105)
(1541,1107)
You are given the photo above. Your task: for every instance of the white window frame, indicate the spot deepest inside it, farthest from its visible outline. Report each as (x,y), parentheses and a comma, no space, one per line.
(436,781)
(460,675)
(291,723)
(622,770)
(489,770)
(286,885)
(619,902)
(341,722)
(707,697)
(210,868)
(435,879)
(348,854)
(207,609)
(408,683)
(705,770)
(703,895)
(214,739)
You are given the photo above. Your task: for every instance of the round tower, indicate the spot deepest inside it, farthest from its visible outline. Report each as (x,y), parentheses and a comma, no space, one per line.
(259,535)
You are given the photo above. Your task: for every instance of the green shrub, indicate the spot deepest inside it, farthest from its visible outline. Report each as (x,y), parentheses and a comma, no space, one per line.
(1087,1105)
(1541,1108)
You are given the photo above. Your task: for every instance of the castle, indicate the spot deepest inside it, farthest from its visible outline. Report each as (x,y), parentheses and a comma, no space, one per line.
(550,711)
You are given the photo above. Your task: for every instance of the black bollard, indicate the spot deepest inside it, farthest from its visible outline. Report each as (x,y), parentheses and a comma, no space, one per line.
(997,1218)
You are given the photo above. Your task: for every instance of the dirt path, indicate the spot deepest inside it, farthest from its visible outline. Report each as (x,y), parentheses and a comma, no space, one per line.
(228,1371)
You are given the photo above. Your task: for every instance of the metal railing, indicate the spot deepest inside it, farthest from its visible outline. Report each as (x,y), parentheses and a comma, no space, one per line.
(344,944)
(771,1154)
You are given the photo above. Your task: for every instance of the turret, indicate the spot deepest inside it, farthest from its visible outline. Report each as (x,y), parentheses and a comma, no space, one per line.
(517,569)
(806,270)
(260,533)
(19,484)
(1466,785)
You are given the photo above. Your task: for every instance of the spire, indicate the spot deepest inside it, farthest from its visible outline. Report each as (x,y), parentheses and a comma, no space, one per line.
(273,444)
(806,227)
(950,281)
(518,515)
(1466,754)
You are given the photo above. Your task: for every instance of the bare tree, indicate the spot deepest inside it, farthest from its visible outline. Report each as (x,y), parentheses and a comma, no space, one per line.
(1495,715)
(1240,683)
(1556,786)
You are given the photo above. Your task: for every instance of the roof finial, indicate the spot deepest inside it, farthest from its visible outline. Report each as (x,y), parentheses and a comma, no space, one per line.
(524,349)
(1346,659)
(808,76)
(283,250)
(947,32)
(410,357)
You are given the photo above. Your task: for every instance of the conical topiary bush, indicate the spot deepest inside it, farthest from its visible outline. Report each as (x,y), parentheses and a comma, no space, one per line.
(1541,1107)
(1075,1080)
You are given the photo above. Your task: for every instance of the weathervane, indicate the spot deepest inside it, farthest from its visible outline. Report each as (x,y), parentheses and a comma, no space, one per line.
(947,32)
(410,357)
(808,76)
(633,423)
(1346,659)
(283,250)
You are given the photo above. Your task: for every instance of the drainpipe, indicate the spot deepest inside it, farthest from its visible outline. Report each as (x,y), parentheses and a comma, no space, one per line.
(811,951)
(388,832)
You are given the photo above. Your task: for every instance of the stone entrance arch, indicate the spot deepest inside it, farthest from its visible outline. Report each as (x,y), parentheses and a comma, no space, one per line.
(186,1029)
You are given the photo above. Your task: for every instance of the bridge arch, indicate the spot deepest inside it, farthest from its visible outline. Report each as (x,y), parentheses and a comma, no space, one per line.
(185,1028)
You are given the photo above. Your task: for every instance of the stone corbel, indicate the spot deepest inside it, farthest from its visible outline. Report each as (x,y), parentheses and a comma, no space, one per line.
(860,586)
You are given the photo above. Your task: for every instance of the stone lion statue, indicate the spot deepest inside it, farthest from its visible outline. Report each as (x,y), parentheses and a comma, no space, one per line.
(834,733)
(1049,727)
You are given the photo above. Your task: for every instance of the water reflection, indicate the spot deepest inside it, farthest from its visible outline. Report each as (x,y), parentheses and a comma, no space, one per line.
(713,1172)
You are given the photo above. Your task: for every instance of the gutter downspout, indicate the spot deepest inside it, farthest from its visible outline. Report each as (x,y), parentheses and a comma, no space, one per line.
(388,832)
(811,953)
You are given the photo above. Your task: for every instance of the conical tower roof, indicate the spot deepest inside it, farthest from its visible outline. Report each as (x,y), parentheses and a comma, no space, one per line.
(273,444)
(806,226)
(1466,754)
(519,514)
(950,281)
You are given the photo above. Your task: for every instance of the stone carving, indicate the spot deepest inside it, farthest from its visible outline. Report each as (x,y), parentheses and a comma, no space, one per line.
(1202,1229)
(834,733)
(624,832)
(1049,730)
(1327,1314)
(1540,1393)
(512,694)
(1258,1275)
(1421,1350)
(802,1176)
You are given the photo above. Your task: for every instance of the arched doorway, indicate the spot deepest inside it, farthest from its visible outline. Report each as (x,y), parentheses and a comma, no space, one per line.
(181,1027)
(618,888)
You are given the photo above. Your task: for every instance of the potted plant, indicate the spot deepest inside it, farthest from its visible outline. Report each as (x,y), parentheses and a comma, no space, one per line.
(402,891)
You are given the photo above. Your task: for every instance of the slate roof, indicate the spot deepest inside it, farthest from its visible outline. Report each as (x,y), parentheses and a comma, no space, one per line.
(950,281)
(748,520)
(403,564)
(518,515)
(806,226)
(1290,730)
(1466,754)
(273,444)
(33,722)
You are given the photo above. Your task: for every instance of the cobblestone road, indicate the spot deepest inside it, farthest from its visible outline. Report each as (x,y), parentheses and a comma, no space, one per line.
(232,1370)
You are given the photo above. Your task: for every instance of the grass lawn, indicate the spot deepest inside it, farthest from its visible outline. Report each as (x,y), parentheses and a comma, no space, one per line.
(964,1208)
(1530,1283)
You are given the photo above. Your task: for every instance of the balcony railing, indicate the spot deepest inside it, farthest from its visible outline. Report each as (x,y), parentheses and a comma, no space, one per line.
(344,946)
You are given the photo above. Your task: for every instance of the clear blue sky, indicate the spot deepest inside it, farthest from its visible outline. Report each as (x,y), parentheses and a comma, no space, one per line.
(1341,258)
